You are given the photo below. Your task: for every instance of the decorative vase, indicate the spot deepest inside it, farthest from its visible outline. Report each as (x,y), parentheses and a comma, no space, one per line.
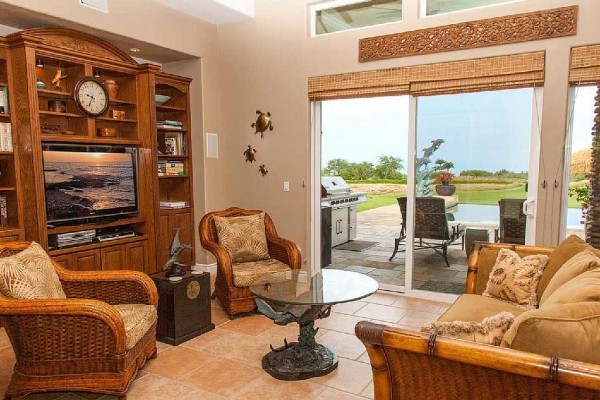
(112,88)
(445,190)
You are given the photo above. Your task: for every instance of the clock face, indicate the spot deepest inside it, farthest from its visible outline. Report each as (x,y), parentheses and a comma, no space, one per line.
(91,96)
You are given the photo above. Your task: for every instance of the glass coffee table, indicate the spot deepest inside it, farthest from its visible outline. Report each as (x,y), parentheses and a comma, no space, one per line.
(300,298)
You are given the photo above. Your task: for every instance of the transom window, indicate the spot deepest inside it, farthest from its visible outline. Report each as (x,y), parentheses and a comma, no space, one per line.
(434,7)
(347,14)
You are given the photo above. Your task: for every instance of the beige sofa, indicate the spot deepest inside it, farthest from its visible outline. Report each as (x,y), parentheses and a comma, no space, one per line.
(552,352)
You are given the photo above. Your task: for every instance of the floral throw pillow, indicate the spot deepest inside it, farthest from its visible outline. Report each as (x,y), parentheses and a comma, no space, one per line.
(515,279)
(243,237)
(489,331)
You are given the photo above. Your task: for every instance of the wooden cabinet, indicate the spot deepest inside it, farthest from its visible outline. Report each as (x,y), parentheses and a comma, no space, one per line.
(136,256)
(113,258)
(170,220)
(66,261)
(86,260)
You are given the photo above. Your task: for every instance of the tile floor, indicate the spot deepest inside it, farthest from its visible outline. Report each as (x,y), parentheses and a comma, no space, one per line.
(226,363)
(382,225)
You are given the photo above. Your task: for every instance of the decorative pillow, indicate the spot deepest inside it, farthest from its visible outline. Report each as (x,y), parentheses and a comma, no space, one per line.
(489,331)
(244,237)
(563,330)
(585,287)
(577,265)
(30,275)
(515,279)
(566,249)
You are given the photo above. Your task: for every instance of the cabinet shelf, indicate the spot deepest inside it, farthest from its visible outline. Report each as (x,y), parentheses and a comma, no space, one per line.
(75,228)
(121,121)
(7,189)
(171,130)
(4,116)
(173,176)
(59,114)
(6,153)
(54,93)
(169,108)
(87,139)
(9,231)
(98,245)
(172,156)
(116,102)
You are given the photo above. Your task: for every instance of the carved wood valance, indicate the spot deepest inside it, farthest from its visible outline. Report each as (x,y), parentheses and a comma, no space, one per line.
(537,25)
(585,65)
(492,73)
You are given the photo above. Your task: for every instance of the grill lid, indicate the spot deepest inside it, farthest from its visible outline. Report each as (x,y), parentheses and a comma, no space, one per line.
(335,185)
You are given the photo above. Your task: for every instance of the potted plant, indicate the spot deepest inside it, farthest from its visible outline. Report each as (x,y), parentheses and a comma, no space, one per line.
(444,187)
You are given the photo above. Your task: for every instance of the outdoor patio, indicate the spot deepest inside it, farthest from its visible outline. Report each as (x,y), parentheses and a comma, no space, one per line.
(382,225)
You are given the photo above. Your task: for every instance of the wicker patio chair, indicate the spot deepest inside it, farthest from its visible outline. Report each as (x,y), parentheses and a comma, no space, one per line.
(512,222)
(78,343)
(239,300)
(432,230)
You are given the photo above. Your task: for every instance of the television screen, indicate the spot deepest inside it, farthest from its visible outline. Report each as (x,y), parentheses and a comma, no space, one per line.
(89,181)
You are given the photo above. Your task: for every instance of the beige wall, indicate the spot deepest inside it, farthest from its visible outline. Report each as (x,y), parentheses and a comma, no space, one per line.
(265,63)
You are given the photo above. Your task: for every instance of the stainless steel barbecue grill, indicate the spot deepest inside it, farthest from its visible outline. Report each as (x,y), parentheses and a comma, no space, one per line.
(343,201)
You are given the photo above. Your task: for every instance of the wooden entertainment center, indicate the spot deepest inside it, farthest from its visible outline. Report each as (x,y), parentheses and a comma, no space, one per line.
(38,66)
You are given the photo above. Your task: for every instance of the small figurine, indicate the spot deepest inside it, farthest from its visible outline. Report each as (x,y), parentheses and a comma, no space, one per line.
(250,154)
(263,170)
(263,122)
(57,78)
(175,250)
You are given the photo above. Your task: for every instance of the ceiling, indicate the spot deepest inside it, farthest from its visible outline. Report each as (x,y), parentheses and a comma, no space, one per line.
(214,11)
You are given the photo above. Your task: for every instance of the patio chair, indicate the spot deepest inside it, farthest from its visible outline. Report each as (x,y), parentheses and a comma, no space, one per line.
(432,230)
(512,222)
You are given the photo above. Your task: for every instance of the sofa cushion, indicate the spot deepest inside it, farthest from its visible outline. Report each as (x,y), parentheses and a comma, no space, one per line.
(585,287)
(473,307)
(569,247)
(255,272)
(138,318)
(243,237)
(515,279)
(575,266)
(30,274)
(489,331)
(563,330)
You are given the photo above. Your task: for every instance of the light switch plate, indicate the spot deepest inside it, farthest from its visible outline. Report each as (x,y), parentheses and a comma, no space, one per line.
(212,145)
(286,186)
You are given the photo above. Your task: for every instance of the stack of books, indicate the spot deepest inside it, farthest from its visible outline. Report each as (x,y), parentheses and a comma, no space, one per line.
(169,124)
(173,204)
(4,106)
(6,143)
(3,212)
(174,168)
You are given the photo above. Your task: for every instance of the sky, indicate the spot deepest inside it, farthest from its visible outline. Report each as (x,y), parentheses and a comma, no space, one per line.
(473,126)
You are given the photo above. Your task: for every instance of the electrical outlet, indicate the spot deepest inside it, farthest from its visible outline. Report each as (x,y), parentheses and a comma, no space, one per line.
(286,186)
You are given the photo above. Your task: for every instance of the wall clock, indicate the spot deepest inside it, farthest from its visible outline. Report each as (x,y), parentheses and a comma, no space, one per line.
(91,96)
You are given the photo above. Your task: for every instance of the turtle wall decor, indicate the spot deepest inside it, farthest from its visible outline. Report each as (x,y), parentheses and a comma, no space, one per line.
(263,170)
(250,154)
(263,122)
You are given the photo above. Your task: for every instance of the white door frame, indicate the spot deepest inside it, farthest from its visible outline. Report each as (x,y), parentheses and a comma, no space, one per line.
(535,147)
(564,195)
(315,188)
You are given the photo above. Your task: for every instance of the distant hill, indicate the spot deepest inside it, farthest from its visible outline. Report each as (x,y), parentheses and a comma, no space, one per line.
(581,161)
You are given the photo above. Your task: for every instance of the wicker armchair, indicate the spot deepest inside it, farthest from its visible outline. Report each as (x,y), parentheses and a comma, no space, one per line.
(77,343)
(512,222)
(237,300)
(432,230)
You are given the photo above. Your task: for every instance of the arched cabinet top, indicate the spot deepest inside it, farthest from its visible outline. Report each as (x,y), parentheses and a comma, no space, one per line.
(72,41)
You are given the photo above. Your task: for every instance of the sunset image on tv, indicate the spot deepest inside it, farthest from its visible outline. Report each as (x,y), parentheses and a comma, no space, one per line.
(81,184)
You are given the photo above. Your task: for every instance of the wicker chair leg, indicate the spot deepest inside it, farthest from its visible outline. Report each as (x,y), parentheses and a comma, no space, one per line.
(396,244)
(445,254)
(154,354)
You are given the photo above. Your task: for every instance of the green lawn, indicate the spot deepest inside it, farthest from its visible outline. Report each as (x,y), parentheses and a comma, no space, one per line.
(472,196)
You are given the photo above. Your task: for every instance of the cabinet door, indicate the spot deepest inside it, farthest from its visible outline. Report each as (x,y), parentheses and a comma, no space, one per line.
(183,220)
(65,261)
(113,257)
(164,240)
(337,225)
(87,260)
(136,256)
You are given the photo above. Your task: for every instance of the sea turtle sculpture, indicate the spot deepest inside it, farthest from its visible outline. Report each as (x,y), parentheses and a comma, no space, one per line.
(250,154)
(263,170)
(263,122)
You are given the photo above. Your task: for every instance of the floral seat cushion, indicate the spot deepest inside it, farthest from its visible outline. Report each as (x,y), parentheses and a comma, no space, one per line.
(256,272)
(138,319)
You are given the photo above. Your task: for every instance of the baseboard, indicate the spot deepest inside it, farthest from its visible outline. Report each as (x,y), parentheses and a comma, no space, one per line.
(211,268)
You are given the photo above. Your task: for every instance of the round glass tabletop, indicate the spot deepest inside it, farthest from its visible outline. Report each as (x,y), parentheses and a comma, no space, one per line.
(330,286)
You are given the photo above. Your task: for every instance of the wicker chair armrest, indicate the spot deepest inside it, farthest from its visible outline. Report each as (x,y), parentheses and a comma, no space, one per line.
(60,319)
(112,287)
(224,263)
(285,251)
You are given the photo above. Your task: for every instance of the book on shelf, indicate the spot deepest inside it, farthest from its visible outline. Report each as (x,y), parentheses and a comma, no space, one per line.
(4,106)
(169,124)
(173,204)
(174,168)
(6,143)
(175,144)
(3,212)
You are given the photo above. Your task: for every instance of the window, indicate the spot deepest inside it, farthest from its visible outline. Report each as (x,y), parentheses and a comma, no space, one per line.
(434,7)
(343,15)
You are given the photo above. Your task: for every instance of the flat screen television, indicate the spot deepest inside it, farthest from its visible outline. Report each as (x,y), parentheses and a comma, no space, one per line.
(84,182)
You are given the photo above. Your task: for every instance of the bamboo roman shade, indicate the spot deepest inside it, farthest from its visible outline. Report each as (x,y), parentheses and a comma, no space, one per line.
(493,73)
(585,65)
